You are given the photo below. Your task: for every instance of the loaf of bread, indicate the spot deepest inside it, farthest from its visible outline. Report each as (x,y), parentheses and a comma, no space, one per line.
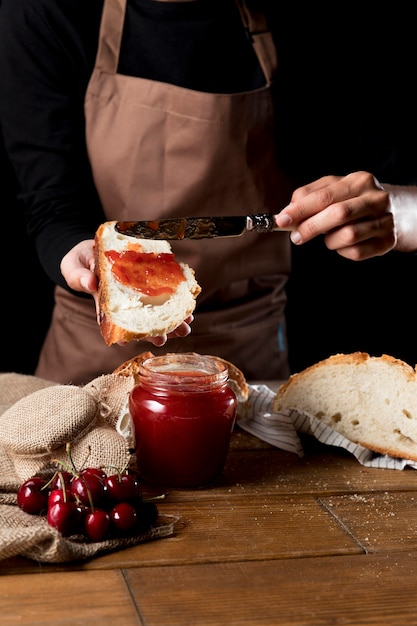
(237,381)
(370,400)
(143,291)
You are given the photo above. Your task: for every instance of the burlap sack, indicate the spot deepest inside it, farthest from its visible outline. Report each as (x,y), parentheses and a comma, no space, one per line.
(31,536)
(37,427)
(13,387)
(37,421)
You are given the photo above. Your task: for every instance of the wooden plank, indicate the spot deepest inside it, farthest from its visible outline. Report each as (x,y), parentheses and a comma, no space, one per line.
(232,529)
(324,469)
(370,590)
(241,529)
(236,529)
(67,598)
(380,522)
(229,529)
(259,473)
(254,472)
(251,474)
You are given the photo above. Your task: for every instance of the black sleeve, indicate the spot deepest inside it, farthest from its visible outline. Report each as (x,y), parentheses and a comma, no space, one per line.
(45,65)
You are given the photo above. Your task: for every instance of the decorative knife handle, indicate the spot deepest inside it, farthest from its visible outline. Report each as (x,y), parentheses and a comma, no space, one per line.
(263,223)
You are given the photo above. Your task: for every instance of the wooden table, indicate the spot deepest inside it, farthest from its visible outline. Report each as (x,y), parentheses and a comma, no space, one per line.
(279,540)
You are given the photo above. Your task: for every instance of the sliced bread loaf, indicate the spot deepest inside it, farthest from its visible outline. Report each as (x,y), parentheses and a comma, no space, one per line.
(370,400)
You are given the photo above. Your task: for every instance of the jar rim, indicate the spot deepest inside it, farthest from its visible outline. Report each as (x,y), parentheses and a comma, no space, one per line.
(190,365)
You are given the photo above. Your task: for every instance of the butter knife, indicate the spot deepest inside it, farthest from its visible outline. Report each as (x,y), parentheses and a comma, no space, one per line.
(200,227)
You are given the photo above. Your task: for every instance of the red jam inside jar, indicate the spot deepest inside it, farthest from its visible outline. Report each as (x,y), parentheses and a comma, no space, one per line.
(183,413)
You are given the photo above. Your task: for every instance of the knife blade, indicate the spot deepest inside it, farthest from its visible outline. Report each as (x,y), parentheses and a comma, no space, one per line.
(200,227)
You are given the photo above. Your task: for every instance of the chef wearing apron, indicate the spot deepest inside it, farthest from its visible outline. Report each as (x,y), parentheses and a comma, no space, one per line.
(159,150)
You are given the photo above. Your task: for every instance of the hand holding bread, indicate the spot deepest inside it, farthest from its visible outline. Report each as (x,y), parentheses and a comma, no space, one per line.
(142,290)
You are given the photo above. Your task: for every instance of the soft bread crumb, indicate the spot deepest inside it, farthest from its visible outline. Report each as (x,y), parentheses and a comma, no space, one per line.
(370,400)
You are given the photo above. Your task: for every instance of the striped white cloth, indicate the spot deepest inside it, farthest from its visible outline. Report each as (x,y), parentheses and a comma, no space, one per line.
(275,428)
(281,430)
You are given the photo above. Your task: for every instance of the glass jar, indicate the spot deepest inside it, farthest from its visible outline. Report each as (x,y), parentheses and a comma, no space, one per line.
(183,413)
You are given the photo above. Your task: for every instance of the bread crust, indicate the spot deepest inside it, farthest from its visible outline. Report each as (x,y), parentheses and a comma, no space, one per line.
(370,400)
(124,313)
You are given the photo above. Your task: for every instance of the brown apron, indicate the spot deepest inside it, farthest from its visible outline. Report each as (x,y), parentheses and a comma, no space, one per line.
(160,150)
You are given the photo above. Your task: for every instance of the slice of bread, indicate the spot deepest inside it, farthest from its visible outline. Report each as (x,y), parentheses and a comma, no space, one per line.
(155,304)
(370,400)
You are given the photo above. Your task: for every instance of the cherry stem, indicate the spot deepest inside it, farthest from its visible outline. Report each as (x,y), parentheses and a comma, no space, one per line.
(63,465)
(46,485)
(63,486)
(116,471)
(86,458)
(126,467)
(74,468)
(90,498)
(119,471)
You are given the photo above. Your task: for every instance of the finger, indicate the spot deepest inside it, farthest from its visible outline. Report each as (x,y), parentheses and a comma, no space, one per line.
(370,206)
(182,331)
(302,192)
(365,250)
(363,239)
(308,200)
(87,281)
(159,341)
(354,233)
(82,280)
(316,197)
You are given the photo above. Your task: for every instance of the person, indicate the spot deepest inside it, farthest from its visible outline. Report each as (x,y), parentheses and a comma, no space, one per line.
(142,109)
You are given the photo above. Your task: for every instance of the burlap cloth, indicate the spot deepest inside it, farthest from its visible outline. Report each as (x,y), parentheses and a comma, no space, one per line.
(38,419)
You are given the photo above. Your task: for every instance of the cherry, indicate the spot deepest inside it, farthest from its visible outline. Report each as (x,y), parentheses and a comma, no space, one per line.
(31,498)
(97,471)
(89,502)
(96,524)
(89,489)
(60,479)
(59,495)
(65,517)
(123,487)
(124,516)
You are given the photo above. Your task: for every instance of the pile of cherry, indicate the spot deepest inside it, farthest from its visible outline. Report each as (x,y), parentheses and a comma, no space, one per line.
(93,502)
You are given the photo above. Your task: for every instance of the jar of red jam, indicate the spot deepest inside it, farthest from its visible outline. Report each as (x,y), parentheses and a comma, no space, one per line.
(183,413)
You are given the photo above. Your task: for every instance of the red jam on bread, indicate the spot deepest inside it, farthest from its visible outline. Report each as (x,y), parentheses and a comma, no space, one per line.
(150,273)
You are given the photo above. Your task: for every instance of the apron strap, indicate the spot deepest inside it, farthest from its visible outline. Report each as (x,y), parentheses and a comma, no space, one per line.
(258,32)
(111,31)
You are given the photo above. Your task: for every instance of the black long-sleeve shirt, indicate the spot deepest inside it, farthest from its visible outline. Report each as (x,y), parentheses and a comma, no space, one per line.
(334,112)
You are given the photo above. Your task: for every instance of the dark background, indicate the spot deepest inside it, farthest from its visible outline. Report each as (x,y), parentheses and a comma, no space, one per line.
(336,305)
(27,294)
